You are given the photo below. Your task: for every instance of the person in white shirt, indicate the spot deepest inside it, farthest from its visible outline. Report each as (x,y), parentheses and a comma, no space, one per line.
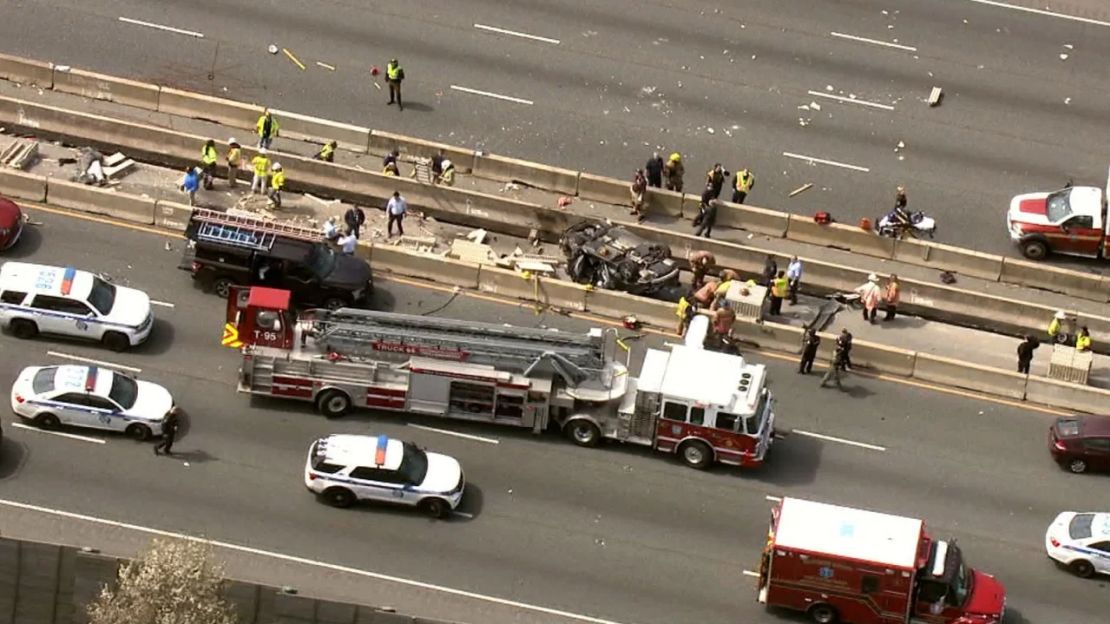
(331,230)
(396,209)
(794,275)
(348,242)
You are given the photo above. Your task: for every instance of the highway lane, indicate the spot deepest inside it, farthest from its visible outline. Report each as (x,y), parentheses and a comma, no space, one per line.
(609,92)
(616,533)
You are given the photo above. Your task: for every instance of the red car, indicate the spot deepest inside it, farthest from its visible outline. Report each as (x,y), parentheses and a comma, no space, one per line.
(1081,443)
(11,223)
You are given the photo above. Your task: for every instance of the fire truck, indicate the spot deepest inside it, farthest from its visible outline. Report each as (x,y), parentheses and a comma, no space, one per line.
(839,564)
(706,407)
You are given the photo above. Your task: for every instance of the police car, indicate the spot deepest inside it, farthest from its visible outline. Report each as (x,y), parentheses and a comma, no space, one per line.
(343,469)
(89,396)
(38,299)
(1080,541)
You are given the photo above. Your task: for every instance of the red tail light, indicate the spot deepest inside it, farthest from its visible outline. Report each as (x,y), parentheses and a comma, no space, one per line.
(19,398)
(1059,446)
(196,267)
(311,477)
(1055,542)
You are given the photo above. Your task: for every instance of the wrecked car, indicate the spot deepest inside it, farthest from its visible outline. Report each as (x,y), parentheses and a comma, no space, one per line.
(609,256)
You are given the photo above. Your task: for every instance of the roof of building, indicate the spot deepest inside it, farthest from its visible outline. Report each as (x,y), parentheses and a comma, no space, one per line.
(832,530)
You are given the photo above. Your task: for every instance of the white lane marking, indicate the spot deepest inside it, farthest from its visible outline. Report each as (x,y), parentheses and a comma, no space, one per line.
(848,100)
(1025,9)
(180,31)
(311,562)
(773,499)
(164,304)
(78,358)
(822,161)
(457,434)
(874,42)
(463,514)
(750,573)
(507,98)
(516,33)
(821,436)
(58,433)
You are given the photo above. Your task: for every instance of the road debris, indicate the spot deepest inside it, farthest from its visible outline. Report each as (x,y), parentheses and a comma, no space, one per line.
(325,66)
(935,95)
(801,189)
(295,60)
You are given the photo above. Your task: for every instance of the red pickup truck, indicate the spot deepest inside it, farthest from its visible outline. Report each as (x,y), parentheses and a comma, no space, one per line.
(1070,221)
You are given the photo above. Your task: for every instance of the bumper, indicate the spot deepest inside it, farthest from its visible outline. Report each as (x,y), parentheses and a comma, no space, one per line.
(140,335)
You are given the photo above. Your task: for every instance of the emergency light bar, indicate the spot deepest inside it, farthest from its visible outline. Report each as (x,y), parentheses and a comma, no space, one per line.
(67,279)
(379,454)
(90,379)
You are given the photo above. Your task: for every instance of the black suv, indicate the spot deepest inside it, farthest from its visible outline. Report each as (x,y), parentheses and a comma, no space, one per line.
(224,250)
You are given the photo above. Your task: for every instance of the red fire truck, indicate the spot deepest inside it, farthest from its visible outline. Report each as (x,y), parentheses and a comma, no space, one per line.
(839,564)
(704,406)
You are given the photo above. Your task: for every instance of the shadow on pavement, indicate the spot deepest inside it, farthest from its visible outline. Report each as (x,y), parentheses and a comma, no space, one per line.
(793,460)
(28,245)
(196,456)
(13,455)
(161,338)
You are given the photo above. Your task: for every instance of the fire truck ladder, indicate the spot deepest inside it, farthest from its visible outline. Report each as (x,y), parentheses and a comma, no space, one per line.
(354,332)
(247,232)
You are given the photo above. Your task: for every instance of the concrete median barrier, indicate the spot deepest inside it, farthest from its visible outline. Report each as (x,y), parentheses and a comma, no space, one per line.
(197,106)
(882,359)
(663,202)
(504,169)
(1068,396)
(839,236)
(172,215)
(382,142)
(771,336)
(26,71)
(616,305)
(949,258)
(100,201)
(604,189)
(109,88)
(20,185)
(752,219)
(541,291)
(961,374)
(1047,277)
(304,128)
(410,263)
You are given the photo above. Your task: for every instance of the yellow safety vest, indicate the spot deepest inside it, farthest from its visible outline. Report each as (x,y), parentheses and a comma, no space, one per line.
(683,306)
(744,181)
(1083,343)
(780,286)
(722,288)
(1054,327)
(261,165)
(209,155)
(235,156)
(261,125)
(277,180)
(393,72)
(326,152)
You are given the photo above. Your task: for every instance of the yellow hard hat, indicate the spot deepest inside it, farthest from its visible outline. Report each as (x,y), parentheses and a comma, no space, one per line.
(676,156)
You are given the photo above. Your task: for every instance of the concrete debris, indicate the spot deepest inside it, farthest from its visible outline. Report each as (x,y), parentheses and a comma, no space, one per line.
(509,186)
(468,251)
(534,266)
(1063,56)
(1067,100)
(533,235)
(320,200)
(117,165)
(477,236)
(20,154)
(272,49)
(815,106)
(935,96)
(169,247)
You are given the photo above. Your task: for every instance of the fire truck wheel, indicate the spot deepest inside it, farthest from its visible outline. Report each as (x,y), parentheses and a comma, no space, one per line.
(333,403)
(339,497)
(584,433)
(823,614)
(696,454)
(1081,568)
(435,507)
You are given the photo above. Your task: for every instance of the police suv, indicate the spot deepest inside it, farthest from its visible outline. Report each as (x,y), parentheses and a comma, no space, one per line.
(38,299)
(343,469)
(89,396)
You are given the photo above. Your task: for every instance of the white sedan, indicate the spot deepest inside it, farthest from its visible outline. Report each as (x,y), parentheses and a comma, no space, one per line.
(1080,541)
(90,396)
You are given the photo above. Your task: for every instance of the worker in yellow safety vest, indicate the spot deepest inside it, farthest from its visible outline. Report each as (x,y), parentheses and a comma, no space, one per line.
(780,289)
(327,153)
(261,165)
(1056,324)
(267,128)
(394,74)
(742,183)
(1083,339)
(234,161)
(208,159)
(277,182)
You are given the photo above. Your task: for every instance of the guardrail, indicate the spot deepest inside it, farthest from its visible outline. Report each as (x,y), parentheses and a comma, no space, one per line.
(582,184)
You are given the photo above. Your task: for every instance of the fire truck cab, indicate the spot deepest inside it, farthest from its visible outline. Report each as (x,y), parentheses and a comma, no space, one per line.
(839,564)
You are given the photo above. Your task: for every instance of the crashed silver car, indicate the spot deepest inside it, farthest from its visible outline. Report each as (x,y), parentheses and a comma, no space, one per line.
(609,256)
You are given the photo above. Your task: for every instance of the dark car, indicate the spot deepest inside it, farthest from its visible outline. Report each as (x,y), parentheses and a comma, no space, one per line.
(1081,443)
(225,251)
(11,223)
(610,256)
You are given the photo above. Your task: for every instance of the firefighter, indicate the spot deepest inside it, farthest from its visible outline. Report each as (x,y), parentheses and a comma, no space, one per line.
(673,171)
(1083,339)
(447,178)
(720,291)
(394,74)
(327,152)
(208,159)
(742,183)
(685,310)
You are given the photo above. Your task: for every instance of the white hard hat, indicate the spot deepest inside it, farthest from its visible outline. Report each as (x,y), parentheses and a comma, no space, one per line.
(232,140)
(277,166)
(262,150)
(872,278)
(1060,314)
(447,164)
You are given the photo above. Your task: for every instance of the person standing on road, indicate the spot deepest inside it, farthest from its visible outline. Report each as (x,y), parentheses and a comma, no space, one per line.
(277,183)
(190,183)
(845,340)
(1025,353)
(654,169)
(267,128)
(331,230)
(742,183)
(810,342)
(780,289)
(394,74)
(327,152)
(348,242)
(715,179)
(794,275)
(638,190)
(838,364)
(674,170)
(708,216)
(700,263)
(892,294)
(209,156)
(261,165)
(900,198)
(395,210)
(169,431)
(354,218)
(234,161)
(770,270)
(869,295)
(1083,340)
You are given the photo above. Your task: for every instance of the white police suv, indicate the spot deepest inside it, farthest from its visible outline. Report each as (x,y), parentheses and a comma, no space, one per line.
(38,299)
(89,396)
(343,469)
(1080,541)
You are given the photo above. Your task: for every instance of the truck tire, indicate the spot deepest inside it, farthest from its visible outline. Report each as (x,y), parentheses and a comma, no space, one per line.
(24,329)
(435,507)
(696,454)
(1034,249)
(1082,568)
(822,613)
(583,433)
(116,341)
(333,403)
(222,286)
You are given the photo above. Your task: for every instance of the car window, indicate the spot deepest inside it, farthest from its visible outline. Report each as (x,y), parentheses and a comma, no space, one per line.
(320,260)
(102,296)
(124,391)
(1103,546)
(73,398)
(697,415)
(1097,445)
(101,403)
(377,474)
(1067,427)
(59,304)
(13,297)
(726,421)
(1080,221)
(44,379)
(414,464)
(1080,526)
(674,411)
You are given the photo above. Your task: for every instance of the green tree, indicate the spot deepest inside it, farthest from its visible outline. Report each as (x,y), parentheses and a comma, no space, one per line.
(173,582)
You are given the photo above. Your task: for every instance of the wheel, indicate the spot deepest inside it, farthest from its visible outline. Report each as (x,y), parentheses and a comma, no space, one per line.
(435,507)
(1082,568)
(823,614)
(1078,466)
(334,303)
(47,421)
(339,497)
(1034,249)
(222,286)
(116,341)
(696,454)
(333,403)
(139,433)
(584,433)
(22,328)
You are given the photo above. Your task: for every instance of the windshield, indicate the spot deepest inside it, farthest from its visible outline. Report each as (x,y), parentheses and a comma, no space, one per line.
(124,391)
(44,380)
(321,260)
(1058,205)
(102,295)
(1080,526)
(961,584)
(414,464)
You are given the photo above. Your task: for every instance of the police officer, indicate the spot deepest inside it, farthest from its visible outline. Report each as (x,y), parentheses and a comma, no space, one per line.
(208,159)
(394,74)
(654,169)
(169,431)
(810,342)
(742,182)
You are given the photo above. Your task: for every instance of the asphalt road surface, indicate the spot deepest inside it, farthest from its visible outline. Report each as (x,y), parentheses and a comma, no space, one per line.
(618,534)
(600,85)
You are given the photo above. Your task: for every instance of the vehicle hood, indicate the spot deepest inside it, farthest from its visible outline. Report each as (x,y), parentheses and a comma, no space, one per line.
(1029,208)
(152,403)
(131,307)
(350,272)
(988,597)
(443,475)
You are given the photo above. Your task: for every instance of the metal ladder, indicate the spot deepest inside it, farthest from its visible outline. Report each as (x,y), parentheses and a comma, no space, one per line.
(248,232)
